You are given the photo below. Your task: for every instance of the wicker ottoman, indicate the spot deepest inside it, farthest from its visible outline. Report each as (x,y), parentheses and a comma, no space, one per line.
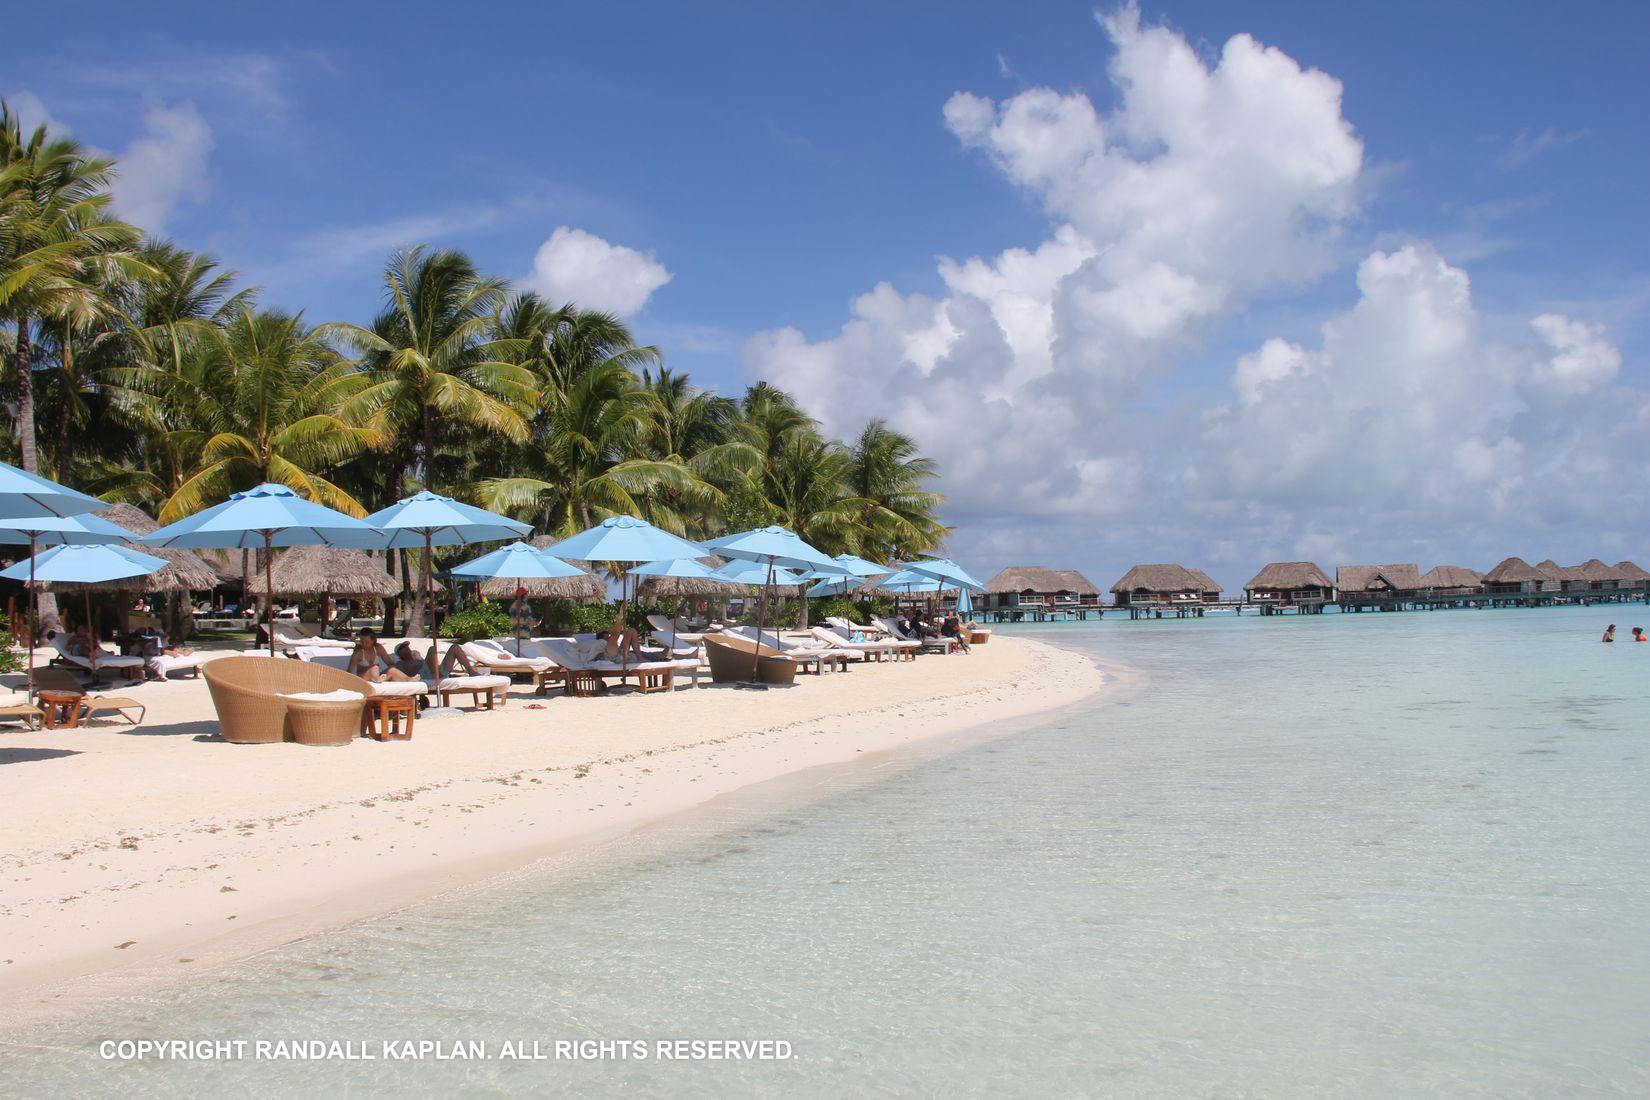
(318,723)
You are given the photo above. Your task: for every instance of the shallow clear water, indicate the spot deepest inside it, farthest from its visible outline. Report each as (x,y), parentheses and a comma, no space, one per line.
(1376,855)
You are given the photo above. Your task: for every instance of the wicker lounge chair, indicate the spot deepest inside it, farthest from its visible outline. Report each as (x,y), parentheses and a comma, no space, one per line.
(130,667)
(815,657)
(251,696)
(730,661)
(61,679)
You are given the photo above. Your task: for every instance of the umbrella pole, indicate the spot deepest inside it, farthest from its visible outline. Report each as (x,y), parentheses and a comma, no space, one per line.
(761,614)
(34,615)
(269,589)
(429,608)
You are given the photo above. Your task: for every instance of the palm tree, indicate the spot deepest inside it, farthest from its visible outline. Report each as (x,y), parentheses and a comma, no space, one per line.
(55,234)
(261,401)
(584,462)
(695,428)
(887,473)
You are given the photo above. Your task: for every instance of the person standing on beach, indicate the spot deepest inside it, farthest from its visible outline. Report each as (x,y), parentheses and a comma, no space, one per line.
(1610,633)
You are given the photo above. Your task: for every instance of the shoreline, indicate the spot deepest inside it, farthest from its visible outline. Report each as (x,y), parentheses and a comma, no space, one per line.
(135,894)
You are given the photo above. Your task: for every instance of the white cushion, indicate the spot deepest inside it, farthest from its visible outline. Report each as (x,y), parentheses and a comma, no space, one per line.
(341,695)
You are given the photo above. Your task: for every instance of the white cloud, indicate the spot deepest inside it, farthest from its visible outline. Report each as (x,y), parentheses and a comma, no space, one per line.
(32,113)
(575,266)
(1038,377)
(165,167)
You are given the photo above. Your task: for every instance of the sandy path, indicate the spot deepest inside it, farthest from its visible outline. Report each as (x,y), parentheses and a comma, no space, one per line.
(134,855)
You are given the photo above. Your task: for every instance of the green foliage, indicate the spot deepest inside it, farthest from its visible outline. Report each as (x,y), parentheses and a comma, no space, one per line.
(11,654)
(485,620)
(567,617)
(851,608)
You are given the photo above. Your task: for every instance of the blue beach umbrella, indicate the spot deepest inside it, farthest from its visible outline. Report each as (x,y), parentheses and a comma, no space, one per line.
(858,571)
(428,520)
(263,518)
(777,547)
(85,564)
(755,573)
(29,496)
(690,568)
(47,529)
(518,561)
(965,602)
(946,570)
(624,540)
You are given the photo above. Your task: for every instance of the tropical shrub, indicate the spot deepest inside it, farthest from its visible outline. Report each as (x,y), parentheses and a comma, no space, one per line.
(485,620)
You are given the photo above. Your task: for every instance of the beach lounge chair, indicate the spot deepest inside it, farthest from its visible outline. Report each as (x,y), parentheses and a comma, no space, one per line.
(287,639)
(848,629)
(581,667)
(484,691)
(30,715)
(130,667)
(730,660)
(61,679)
(819,657)
(489,654)
(663,625)
(681,646)
(934,644)
(168,663)
(879,650)
(252,696)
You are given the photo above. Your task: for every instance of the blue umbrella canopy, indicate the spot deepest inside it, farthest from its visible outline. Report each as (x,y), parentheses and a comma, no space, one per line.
(946,570)
(76,530)
(965,602)
(84,564)
(517,561)
(624,539)
(751,572)
(270,515)
(29,496)
(834,586)
(776,545)
(908,580)
(430,519)
(689,568)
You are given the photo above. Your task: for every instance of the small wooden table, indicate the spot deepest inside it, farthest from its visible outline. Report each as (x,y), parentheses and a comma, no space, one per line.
(64,709)
(383,717)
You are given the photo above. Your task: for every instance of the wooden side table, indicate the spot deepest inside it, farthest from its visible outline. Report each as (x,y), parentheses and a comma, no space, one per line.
(384,714)
(64,709)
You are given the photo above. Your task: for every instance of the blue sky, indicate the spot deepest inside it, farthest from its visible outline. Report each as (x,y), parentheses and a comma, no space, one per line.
(781,163)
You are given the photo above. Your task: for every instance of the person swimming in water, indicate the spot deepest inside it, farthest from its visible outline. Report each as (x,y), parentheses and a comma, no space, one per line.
(1610,633)
(1639,635)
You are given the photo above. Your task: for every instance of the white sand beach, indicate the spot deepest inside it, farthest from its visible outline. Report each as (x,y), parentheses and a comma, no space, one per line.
(134,855)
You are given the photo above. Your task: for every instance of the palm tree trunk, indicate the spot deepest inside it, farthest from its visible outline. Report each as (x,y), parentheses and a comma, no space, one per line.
(45,602)
(63,449)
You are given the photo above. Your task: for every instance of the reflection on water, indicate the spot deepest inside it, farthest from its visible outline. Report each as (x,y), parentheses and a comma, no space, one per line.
(1379,855)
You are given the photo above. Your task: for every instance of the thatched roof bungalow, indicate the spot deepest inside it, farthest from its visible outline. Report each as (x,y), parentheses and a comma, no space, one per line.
(330,571)
(1512,577)
(1629,575)
(185,570)
(1039,586)
(1397,579)
(1165,583)
(1451,580)
(1555,577)
(1288,583)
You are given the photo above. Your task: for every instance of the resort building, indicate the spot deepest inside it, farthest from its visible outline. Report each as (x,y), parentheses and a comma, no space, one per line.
(1372,584)
(1513,577)
(1170,584)
(1451,580)
(1298,584)
(1037,592)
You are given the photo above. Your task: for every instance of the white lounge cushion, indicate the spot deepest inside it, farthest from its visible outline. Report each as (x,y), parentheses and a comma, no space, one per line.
(341,695)
(168,663)
(467,683)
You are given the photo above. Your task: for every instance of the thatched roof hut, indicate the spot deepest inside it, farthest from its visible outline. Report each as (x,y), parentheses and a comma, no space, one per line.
(331,571)
(185,570)
(1377,579)
(694,587)
(1167,581)
(1513,575)
(1041,581)
(1594,570)
(1452,578)
(1629,573)
(1288,581)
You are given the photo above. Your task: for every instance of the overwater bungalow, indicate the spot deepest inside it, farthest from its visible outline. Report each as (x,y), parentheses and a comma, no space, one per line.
(1298,584)
(1165,584)
(1629,575)
(1377,584)
(1555,577)
(1451,580)
(1036,591)
(1513,577)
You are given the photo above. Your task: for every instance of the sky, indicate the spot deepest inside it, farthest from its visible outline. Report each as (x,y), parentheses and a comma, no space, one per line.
(1203,282)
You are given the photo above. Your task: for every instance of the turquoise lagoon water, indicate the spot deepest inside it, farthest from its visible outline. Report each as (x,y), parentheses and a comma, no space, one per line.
(1377,855)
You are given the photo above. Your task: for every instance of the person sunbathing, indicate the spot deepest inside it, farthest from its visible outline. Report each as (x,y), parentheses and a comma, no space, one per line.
(455,656)
(82,644)
(369,661)
(622,640)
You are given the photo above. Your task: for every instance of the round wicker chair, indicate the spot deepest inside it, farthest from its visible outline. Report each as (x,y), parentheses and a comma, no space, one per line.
(729,657)
(247,692)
